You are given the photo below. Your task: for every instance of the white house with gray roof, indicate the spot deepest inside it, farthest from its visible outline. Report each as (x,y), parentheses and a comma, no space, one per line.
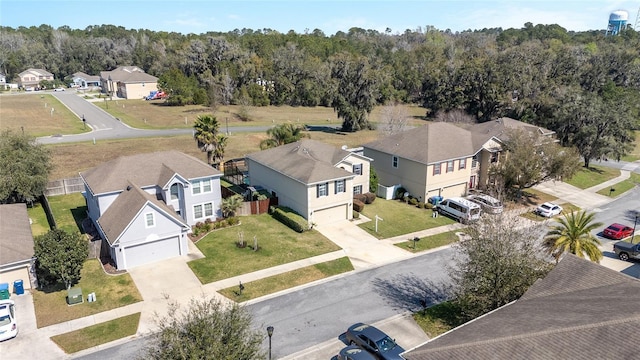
(314,179)
(144,205)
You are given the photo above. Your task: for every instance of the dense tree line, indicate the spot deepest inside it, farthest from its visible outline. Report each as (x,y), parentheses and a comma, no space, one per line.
(542,74)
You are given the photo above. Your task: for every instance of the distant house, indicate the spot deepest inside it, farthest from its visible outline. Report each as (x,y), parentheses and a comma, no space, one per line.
(82,80)
(3,79)
(580,310)
(129,82)
(144,205)
(17,261)
(314,179)
(31,78)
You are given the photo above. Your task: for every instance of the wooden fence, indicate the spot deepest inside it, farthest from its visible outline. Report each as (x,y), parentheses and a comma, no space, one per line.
(64,186)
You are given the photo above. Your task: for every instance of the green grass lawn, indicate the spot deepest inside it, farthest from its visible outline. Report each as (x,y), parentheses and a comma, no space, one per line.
(98,334)
(438,319)
(431,242)
(566,209)
(111,292)
(288,280)
(594,175)
(39,223)
(69,211)
(622,187)
(398,218)
(277,245)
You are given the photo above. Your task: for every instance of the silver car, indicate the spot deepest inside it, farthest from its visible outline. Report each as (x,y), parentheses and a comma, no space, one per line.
(489,204)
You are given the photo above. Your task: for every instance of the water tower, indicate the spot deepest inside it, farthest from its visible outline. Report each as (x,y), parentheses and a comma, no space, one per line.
(617,22)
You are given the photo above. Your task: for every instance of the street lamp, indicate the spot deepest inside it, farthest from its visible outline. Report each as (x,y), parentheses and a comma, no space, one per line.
(270,333)
(635,222)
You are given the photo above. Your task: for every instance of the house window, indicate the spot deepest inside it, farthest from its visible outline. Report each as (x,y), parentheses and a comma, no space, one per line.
(437,168)
(201,186)
(149,220)
(197,211)
(206,186)
(463,164)
(474,161)
(175,192)
(340,186)
(494,157)
(208,209)
(203,210)
(394,162)
(450,166)
(322,189)
(357,189)
(197,188)
(357,169)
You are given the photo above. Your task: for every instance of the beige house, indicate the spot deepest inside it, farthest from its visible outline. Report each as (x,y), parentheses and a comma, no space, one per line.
(31,78)
(17,261)
(129,82)
(314,179)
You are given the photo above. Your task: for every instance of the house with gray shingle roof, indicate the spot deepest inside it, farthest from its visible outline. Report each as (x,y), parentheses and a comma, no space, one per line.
(83,80)
(129,82)
(580,310)
(17,261)
(31,78)
(314,179)
(144,205)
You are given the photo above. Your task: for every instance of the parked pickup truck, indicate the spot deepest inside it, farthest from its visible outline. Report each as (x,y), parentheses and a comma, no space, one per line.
(626,250)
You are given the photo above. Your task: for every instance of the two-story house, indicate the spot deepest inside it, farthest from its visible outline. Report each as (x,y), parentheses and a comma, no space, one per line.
(144,205)
(314,179)
(31,78)
(129,82)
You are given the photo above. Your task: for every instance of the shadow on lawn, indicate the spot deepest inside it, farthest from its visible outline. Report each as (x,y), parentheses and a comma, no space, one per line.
(409,292)
(79,214)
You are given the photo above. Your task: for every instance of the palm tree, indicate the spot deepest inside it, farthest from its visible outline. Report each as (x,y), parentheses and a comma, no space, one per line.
(282,134)
(573,234)
(230,205)
(208,138)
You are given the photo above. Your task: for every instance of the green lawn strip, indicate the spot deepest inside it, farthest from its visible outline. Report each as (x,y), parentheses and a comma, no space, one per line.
(277,245)
(111,292)
(594,175)
(69,211)
(272,284)
(39,223)
(438,319)
(431,242)
(98,334)
(398,218)
(621,187)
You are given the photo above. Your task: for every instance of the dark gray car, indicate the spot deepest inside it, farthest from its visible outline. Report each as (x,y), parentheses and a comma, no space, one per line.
(374,341)
(626,250)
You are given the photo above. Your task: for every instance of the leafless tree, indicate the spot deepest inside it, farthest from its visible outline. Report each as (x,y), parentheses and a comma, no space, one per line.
(455,116)
(393,119)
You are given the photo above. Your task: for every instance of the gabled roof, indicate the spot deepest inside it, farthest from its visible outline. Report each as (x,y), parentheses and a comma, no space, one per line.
(39,72)
(150,169)
(85,76)
(16,240)
(126,207)
(128,74)
(499,129)
(431,143)
(306,161)
(580,310)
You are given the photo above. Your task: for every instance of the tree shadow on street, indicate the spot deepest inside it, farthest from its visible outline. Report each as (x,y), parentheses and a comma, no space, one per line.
(410,292)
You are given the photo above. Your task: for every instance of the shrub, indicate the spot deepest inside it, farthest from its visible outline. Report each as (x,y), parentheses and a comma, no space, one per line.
(356,215)
(428,206)
(400,193)
(421,205)
(358,205)
(369,197)
(233,221)
(413,201)
(360,197)
(290,218)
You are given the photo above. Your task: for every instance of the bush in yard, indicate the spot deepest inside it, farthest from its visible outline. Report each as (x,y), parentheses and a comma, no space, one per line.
(358,205)
(356,215)
(413,201)
(290,218)
(421,205)
(400,193)
(60,256)
(233,221)
(369,197)
(360,197)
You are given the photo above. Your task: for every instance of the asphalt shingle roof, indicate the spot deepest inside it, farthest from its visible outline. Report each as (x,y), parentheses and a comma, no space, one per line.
(306,161)
(16,240)
(580,310)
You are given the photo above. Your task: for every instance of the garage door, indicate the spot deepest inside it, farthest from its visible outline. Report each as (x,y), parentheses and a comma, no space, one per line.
(455,190)
(151,252)
(330,215)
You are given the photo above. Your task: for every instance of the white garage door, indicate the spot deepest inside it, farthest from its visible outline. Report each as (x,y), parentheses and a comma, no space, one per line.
(455,190)
(330,215)
(151,252)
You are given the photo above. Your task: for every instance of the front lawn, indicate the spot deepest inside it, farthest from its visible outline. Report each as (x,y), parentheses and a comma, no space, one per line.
(566,209)
(430,242)
(288,280)
(277,245)
(111,292)
(398,218)
(98,334)
(621,187)
(594,175)
(438,319)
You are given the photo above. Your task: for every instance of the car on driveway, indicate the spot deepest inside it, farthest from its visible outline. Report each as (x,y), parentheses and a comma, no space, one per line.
(548,209)
(352,352)
(617,231)
(374,341)
(488,203)
(626,250)
(8,324)
(58,89)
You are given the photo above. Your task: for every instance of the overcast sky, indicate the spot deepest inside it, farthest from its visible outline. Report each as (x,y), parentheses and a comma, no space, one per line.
(200,16)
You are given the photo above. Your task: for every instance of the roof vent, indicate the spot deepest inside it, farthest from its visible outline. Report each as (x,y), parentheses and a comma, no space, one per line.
(128,187)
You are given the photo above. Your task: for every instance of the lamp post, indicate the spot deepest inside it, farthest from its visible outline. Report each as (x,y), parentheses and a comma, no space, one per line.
(270,333)
(635,222)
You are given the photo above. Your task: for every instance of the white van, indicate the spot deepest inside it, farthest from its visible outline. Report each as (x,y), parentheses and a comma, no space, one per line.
(460,209)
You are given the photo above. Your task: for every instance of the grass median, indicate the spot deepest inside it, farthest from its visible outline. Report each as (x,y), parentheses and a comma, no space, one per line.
(98,334)
(273,284)
(621,187)
(431,242)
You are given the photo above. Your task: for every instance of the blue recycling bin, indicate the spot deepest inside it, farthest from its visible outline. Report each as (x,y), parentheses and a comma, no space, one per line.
(18,287)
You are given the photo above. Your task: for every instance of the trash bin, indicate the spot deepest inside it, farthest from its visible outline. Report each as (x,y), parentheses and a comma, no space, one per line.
(74,296)
(4,291)
(435,200)
(18,287)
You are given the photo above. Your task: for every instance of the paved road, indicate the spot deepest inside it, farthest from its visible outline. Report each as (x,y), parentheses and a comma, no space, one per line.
(104,126)
(322,312)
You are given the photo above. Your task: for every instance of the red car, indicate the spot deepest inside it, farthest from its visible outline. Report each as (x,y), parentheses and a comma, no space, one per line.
(617,231)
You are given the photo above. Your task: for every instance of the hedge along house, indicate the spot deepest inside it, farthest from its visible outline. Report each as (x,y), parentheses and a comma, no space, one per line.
(144,205)
(314,179)
(128,82)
